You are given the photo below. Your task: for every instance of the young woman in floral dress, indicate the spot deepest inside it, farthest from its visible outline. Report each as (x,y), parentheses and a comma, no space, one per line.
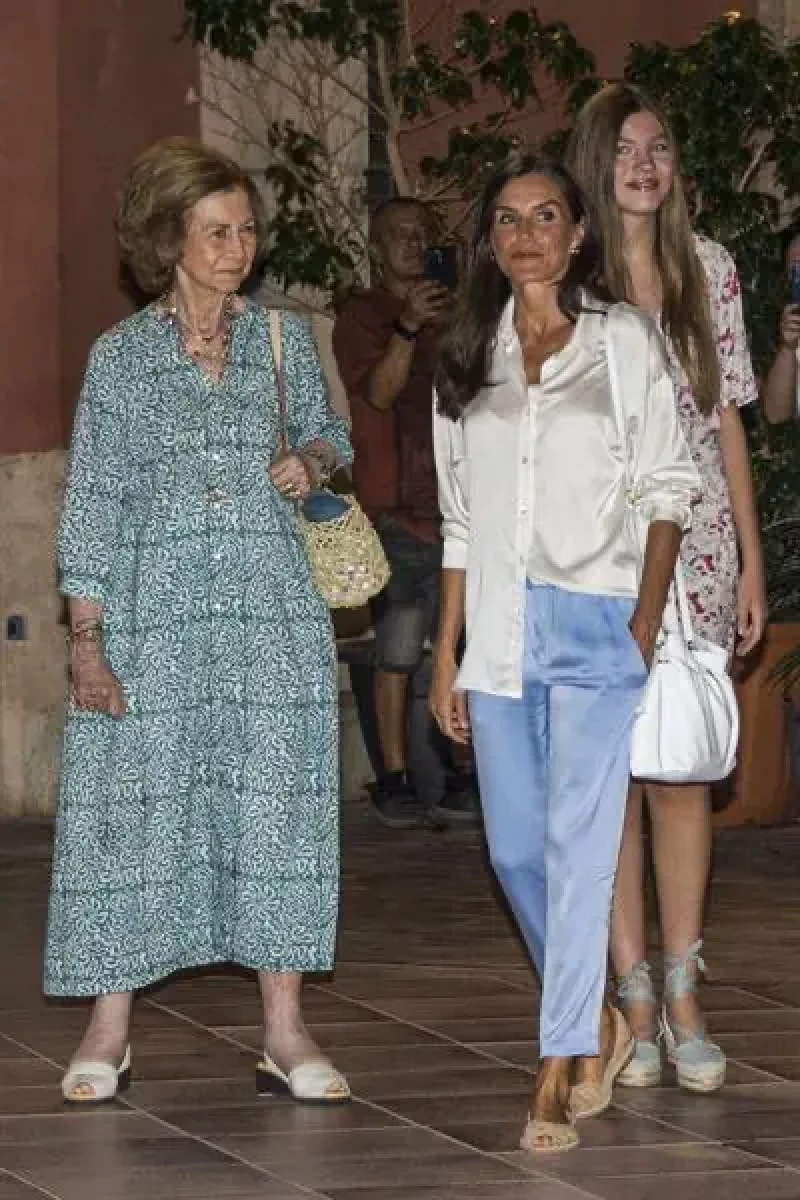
(624,154)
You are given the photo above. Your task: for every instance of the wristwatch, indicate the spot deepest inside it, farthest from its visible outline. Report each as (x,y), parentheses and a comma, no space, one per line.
(410,335)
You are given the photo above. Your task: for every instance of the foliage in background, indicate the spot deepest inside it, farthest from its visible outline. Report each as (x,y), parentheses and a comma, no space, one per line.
(279,45)
(733,97)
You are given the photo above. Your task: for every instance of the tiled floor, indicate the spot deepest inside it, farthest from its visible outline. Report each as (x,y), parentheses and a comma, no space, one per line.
(431,1015)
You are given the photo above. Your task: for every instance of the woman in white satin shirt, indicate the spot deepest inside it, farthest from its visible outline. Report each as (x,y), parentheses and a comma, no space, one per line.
(542,573)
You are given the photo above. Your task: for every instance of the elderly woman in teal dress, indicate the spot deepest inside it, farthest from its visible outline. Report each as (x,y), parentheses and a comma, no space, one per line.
(198,818)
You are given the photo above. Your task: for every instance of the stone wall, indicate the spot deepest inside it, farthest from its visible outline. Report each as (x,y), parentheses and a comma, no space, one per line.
(32,670)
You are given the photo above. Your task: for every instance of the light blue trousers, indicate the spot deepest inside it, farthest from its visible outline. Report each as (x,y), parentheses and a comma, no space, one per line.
(553,768)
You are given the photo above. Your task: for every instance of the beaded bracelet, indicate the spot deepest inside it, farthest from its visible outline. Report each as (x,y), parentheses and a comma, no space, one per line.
(85,633)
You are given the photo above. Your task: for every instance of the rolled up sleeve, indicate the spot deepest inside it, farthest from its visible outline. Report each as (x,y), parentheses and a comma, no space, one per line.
(665,478)
(449,452)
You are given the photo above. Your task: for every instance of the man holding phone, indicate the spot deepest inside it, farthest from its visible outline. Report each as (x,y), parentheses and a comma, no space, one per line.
(384,340)
(782,385)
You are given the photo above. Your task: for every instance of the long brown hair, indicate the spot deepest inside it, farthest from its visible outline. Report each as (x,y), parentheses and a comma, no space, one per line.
(464,350)
(686,310)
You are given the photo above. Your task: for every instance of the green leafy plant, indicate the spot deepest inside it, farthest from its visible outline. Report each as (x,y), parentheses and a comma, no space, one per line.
(733,97)
(352,70)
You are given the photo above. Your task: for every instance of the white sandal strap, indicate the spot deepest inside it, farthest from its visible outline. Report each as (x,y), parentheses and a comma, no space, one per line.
(317,1080)
(101,1077)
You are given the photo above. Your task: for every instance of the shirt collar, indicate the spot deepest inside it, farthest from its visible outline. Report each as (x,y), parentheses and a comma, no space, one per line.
(506,333)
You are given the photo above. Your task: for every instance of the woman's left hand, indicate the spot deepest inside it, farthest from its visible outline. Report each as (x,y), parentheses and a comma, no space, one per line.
(291,475)
(645,631)
(751,609)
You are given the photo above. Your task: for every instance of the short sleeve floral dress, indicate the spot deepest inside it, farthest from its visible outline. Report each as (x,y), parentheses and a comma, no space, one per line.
(709,550)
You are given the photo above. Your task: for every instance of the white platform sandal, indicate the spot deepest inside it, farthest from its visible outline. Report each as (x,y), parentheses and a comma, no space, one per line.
(315,1082)
(103,1078)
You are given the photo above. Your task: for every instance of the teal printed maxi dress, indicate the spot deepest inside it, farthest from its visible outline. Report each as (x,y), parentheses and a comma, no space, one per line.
(203,826)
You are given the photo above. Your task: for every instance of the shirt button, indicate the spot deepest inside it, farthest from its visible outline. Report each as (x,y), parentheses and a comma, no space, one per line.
(524,510)
(216,495)
(525,462)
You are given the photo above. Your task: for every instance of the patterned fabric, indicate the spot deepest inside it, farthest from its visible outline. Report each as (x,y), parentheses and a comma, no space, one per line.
(709,551)
(203,827)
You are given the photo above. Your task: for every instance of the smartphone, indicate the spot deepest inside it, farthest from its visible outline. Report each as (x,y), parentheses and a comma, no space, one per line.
(441,265)
(794,282)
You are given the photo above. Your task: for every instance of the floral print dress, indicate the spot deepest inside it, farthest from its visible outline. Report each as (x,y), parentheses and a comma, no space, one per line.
(202,827)
(709,550)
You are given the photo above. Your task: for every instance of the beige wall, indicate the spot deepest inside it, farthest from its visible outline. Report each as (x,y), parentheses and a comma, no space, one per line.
(782,17)
(237,104)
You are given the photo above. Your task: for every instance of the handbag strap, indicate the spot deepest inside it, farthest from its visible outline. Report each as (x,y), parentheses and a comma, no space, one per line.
(275,334)
(620,417)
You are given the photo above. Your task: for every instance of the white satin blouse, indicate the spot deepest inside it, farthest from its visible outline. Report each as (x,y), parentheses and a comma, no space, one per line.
(532,480)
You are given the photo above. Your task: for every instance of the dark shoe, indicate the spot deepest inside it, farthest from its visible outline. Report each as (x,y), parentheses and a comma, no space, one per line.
(395,802)
(460,803)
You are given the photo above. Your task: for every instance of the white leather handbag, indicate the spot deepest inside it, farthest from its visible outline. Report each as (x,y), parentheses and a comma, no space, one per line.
(687,727)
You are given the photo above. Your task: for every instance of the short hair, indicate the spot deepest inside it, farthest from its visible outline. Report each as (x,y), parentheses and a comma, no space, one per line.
(386,207)
(164,184)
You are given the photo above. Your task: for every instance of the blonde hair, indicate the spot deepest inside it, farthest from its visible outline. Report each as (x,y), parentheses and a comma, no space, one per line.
(163,186)
(686,309)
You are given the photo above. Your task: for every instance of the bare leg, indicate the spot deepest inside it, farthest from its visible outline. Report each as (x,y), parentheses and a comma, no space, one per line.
(391,698)
(106,1034)
(550,1098)
(286,1038)
(681,822)
(592,1069)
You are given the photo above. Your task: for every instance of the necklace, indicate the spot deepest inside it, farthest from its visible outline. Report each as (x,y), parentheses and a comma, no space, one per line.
(213,348)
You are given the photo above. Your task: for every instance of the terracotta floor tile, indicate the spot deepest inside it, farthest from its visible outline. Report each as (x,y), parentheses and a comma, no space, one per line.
(448,1167)
(741,1022)
(719,1185)
(268,1119)
(16,1189)
(92,1157)
(777,1150)
(523,1189)
(232,1181)
(108,1123)
(481,1079)
(439,1009)
(588,1163)
(501,1136)
(27,1072)
(781,1067)
(432,1013)
(347,1035)
(469,1030)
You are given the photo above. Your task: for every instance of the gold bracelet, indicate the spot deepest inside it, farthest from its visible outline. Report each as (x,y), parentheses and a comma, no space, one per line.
(85,633)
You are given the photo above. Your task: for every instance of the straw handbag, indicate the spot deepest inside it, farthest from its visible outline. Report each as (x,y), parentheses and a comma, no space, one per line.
(345,552)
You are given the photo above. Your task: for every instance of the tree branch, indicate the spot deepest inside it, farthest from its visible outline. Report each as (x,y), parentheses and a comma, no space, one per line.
(392,118)
(755,163)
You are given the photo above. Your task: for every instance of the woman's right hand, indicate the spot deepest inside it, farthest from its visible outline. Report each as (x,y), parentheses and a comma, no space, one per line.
(790,326)
(447,704)
(94,685)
